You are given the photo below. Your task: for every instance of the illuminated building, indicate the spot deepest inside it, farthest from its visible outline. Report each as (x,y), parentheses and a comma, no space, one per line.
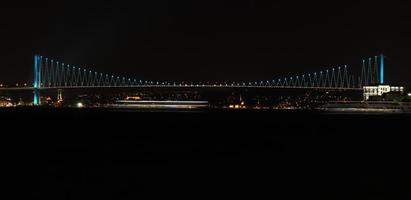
(370,91)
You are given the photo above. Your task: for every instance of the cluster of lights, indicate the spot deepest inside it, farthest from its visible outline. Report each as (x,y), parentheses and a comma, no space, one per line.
(238,106)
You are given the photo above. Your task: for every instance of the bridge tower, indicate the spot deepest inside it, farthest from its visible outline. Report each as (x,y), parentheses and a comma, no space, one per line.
(37,80)
(381,69)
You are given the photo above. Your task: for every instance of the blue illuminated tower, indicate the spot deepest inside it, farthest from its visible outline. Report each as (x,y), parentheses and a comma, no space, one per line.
(382,69)
(37,80)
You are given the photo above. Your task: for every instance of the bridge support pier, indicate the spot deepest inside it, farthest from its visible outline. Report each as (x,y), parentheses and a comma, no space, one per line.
(36,100)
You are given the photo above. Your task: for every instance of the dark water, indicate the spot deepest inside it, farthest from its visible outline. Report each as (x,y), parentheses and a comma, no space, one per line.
(95,154)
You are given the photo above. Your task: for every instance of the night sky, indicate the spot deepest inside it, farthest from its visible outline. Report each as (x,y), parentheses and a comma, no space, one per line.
(204,40)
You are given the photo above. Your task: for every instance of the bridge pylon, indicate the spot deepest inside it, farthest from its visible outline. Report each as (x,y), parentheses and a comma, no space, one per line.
(37,80)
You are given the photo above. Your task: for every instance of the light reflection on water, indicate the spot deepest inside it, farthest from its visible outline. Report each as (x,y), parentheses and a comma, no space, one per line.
(157,110)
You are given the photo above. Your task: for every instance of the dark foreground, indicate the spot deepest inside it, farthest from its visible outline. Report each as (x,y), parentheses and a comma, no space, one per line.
(97,154)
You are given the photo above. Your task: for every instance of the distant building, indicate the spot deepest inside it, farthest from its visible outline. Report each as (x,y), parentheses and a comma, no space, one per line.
(370,91)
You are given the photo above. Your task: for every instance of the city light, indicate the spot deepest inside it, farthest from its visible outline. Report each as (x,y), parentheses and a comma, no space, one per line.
(80,105)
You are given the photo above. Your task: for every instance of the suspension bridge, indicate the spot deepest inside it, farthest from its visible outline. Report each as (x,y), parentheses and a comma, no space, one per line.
(52,74)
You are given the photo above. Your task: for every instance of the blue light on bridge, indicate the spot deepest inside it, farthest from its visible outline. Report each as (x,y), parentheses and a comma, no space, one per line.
(35,84)
(382,70)
(35,70)
(37,79)
(36,100)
